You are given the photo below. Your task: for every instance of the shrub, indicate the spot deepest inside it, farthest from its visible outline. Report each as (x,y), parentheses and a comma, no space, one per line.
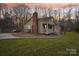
(77,27)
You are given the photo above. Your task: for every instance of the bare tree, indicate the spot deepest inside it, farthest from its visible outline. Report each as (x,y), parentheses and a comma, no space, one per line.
(50,11)
(69,13)
(59,15)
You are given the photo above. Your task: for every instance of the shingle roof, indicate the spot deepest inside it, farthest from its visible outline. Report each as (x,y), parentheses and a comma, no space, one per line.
(46,18)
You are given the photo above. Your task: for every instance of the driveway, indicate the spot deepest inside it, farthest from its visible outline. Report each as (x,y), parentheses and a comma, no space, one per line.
(6,36)
(25,35)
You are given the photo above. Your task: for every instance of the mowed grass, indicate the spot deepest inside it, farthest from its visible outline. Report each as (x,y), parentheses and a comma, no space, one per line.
(40,46)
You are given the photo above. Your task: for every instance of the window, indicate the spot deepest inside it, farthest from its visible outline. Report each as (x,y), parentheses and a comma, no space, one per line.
(49,26)
(44,26)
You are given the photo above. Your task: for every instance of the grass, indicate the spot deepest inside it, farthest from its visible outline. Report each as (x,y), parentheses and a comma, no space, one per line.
(41,47)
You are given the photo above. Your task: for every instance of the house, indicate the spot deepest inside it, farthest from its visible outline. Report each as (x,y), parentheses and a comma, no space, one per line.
(37,25)
(46,25)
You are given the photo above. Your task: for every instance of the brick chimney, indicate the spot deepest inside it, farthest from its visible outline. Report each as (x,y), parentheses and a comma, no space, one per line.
(35,23)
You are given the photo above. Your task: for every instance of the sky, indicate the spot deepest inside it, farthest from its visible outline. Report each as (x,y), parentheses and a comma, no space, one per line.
(44,5)
(39,1)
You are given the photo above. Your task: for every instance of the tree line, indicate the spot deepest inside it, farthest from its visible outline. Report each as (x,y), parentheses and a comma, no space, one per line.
(17,17)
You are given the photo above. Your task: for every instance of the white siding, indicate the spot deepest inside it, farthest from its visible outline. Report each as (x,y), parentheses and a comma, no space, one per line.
(41,29)
(28,26)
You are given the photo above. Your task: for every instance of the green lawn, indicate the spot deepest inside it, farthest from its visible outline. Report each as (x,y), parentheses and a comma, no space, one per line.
(31,46)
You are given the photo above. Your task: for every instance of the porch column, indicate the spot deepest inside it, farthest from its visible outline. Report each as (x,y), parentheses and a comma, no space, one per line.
(47,29)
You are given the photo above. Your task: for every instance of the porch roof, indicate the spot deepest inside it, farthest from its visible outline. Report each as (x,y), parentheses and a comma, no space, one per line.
(46,18)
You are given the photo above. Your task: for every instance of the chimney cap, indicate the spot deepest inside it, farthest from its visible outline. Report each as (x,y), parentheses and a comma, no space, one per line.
(35,12)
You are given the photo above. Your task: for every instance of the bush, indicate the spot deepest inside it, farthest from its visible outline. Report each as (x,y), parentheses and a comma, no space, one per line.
(77,27)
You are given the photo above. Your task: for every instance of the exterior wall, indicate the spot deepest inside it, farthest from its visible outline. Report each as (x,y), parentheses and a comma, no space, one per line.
(40,27)
(28,26)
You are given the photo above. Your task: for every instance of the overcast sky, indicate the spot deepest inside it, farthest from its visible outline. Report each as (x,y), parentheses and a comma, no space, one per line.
(39,1)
